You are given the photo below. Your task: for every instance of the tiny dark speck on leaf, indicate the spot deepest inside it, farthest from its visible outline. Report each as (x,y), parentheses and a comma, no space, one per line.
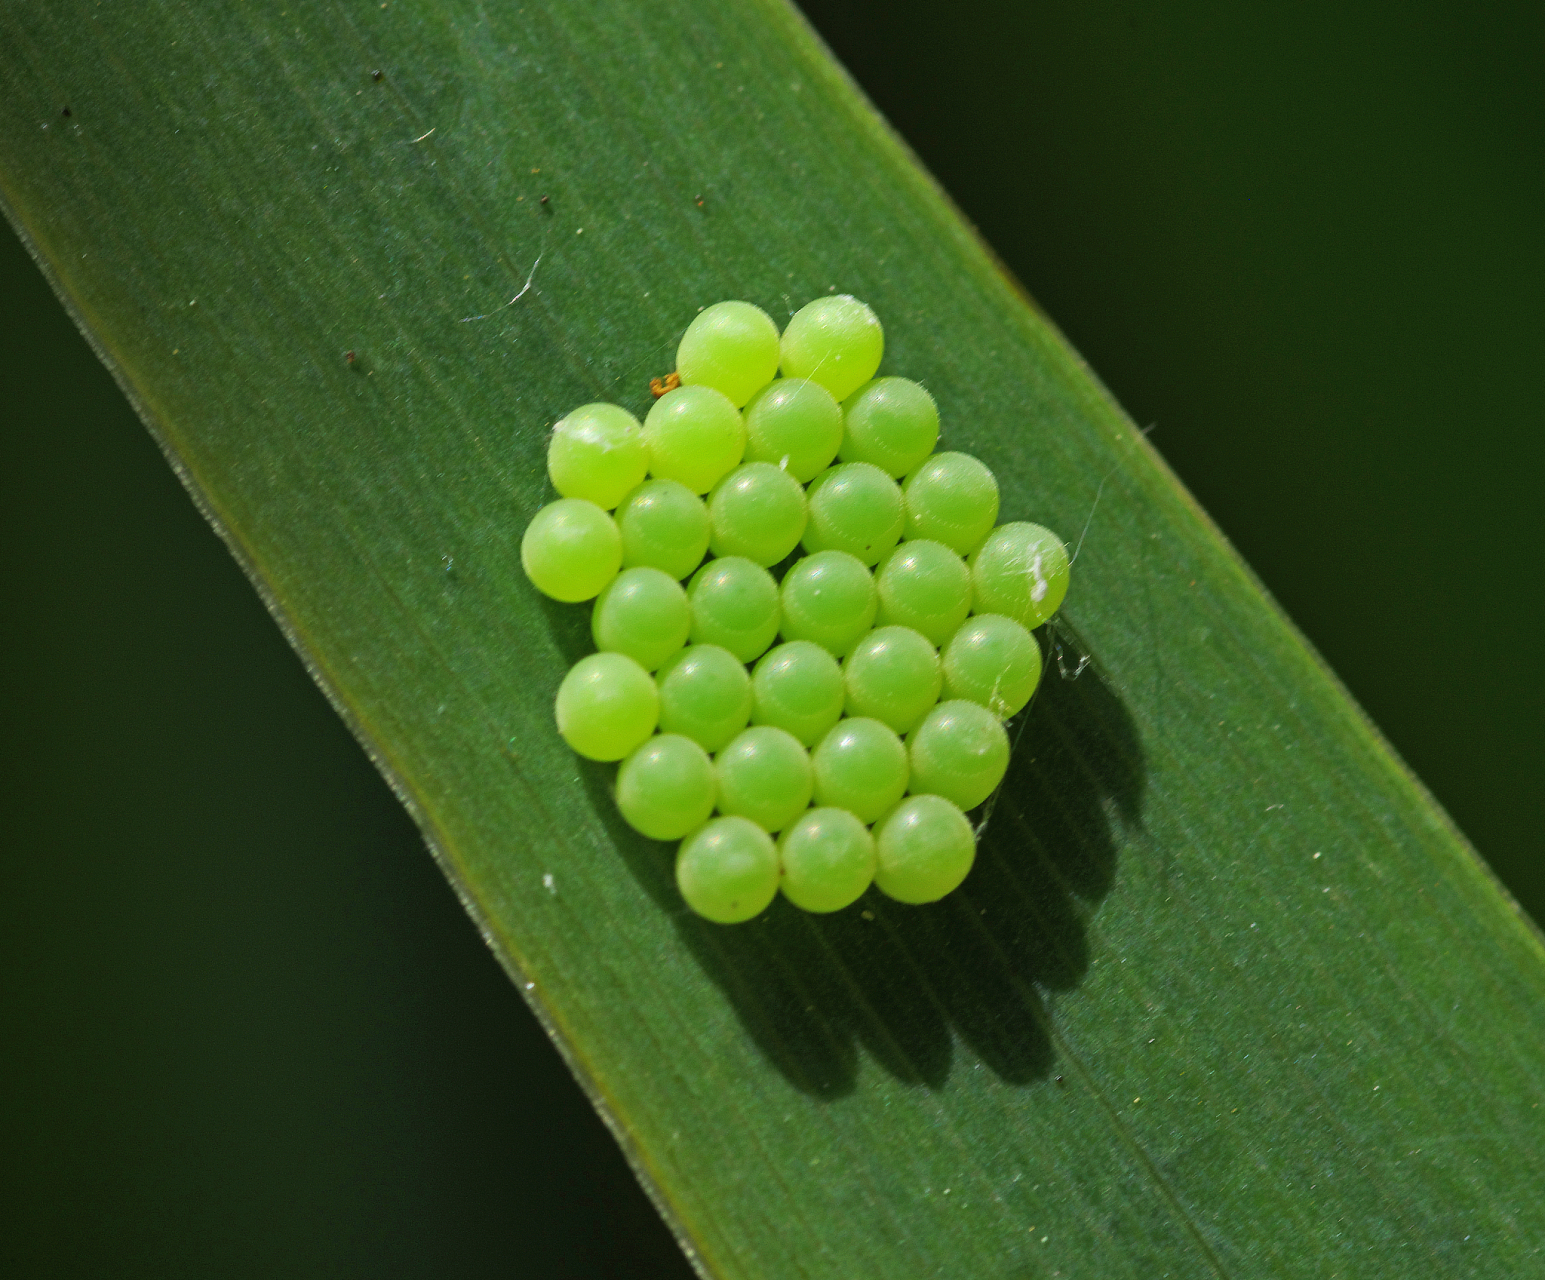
(67,113)
(377,75)
(348,357)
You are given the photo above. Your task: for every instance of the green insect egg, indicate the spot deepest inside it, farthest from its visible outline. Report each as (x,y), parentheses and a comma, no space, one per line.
(694,435)
(854,507)
(828,859)
(926,586)
(828,598)
(728,870)
(665,789)
(731,347)
(597,453)
(924,849)
(663,525)
(993,661)
(951,498)
(861,766)
(757,511)
(705,695)
(607,705)
(571,550)
(891,423)
(643,613)
(1021,571)
(892,676)
(836,341)
(797,687)
(960,752)
(764,775)
(795,424)
(735,606)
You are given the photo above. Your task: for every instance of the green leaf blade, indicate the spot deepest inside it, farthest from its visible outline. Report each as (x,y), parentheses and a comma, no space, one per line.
(1268,1060)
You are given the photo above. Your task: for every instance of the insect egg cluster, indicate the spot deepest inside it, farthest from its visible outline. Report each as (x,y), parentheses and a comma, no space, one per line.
(825,729)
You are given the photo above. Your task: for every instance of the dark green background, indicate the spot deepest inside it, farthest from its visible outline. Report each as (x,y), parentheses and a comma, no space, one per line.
(244,1027)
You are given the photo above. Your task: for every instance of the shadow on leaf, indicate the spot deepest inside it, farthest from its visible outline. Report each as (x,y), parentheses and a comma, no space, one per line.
(903,983)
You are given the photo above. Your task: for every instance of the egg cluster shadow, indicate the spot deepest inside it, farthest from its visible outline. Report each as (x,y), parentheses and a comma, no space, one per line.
(906,984)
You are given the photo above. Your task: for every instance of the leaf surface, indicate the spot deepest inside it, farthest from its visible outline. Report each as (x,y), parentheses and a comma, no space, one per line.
(1226,993)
